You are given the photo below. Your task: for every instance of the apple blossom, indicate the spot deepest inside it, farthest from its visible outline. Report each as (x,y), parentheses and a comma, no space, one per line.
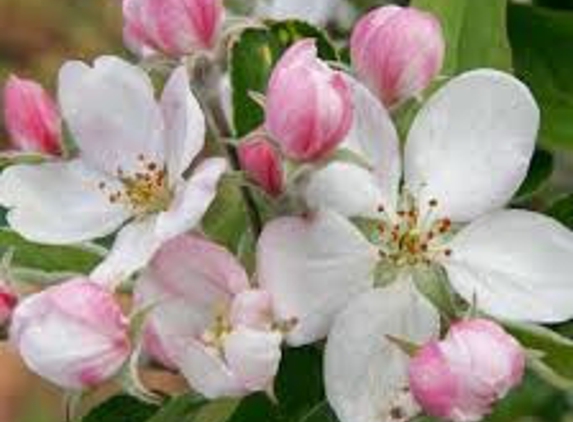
(309,106)
(32,117)
(173,27)
(316,12)
(133,153)
(462,376)
(262,163)
(397,52)
(8,301)
(73,334)
(467,153)
(217,330)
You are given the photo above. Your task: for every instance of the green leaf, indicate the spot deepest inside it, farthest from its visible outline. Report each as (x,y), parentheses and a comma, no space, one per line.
(540,170)
(121,408)
(555,4)
(179,409)
(475,33)
(226,219)
(217,411)
(562,210)
(541,41)
(252,58)
(553,359)
(46,258)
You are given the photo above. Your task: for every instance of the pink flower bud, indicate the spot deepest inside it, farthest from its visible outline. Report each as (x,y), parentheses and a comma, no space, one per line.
(263,164)
(32,118)
(173,27)
(73,334)
(8,301)
(397,52)
(309,106)
(461,377)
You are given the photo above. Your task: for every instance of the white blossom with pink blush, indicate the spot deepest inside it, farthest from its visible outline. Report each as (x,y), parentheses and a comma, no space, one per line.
(207,321)
(133,153)
(316,12)
(461,377)
(73,334)
(31,117)
(462,164)
(308,106)
(397,52)
(173,27)
(263,164)
(8,301)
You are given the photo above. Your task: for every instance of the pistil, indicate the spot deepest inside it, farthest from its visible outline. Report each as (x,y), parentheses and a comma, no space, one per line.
(410,238)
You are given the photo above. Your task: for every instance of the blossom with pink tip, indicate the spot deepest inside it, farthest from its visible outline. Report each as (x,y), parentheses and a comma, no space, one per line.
(73,334)
(309,106)
(8,301)
(461,377)
(207,321)
(397,52)
(131,174)
(172,27)
(31,117)
(262,163)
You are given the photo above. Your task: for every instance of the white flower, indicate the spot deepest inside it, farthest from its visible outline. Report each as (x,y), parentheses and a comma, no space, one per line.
(207,321)
(466,155)
(318,12)
(133,152)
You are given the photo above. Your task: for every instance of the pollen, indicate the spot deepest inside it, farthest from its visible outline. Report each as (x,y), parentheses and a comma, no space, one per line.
(413,234)
(214,336)
(145,191)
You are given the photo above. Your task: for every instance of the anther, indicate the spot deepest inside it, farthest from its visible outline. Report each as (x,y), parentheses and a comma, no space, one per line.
(433,203)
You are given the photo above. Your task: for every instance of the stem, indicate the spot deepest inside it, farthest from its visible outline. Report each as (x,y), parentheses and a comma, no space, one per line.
(208,77)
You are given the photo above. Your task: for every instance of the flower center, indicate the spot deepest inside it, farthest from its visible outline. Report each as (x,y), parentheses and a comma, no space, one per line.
(214,336)
(145,191)
(410,237)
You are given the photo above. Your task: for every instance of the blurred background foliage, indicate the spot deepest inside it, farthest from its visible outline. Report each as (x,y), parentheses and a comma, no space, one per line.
(36,36)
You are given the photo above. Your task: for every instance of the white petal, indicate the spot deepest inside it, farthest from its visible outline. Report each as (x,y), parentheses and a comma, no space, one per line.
(313,267)
(133,247)
(374,137)
(471,144)
(112,114)
(518,264)
(207,373)
(365,374)
(187,282)
(192,199)
(253,356)
(317,12)
(184,123)
(346,188)
(59,203)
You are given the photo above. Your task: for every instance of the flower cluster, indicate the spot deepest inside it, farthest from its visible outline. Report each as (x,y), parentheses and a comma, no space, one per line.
(354,220)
